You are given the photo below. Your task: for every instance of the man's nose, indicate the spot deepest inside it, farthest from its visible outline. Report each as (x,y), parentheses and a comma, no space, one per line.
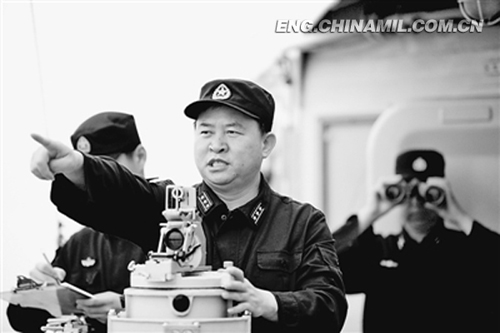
(413,193)
(218,144)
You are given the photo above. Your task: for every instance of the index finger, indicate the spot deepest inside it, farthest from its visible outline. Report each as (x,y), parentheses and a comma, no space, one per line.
(43,272)
(46,142)
(236,273)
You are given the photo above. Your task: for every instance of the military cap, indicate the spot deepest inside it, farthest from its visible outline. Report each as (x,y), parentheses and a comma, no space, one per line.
(241,95)
(106,133)
(420,164)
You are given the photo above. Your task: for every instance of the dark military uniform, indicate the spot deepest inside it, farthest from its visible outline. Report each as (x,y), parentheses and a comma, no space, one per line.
(450,282)
(94,262)
(280,244)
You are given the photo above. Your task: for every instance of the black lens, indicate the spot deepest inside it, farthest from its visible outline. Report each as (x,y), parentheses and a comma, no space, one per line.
(394,192)
(174,239)
(434,195)
(181,303)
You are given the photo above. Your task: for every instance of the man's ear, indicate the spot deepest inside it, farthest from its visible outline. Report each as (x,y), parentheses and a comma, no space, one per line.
(140,155)
(268,144)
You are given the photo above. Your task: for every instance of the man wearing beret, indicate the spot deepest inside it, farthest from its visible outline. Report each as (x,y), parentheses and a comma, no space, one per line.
(440,274)
(91,260)
(285,265)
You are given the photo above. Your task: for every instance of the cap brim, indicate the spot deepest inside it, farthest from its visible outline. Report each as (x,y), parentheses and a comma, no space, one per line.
(410,176)
(194,109)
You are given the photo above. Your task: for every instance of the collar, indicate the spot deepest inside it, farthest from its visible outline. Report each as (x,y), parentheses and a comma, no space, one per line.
(433,237)
(208,202)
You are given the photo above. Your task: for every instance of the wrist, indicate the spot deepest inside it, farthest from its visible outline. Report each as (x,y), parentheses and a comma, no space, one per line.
(271,306)
(61,273)
(366,217)
(76,174)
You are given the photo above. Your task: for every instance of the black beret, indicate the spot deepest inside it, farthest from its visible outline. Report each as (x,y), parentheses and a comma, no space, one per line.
(106,133)
(241,95)
(420,164)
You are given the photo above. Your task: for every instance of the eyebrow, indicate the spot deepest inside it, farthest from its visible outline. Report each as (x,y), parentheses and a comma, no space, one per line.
(233,124)
(201,124)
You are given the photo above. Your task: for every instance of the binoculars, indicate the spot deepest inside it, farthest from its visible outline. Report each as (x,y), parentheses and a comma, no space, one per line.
(399,192)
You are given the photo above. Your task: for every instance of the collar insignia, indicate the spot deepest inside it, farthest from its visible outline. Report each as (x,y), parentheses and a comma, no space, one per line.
(401,242)
(205,201)
(257,213)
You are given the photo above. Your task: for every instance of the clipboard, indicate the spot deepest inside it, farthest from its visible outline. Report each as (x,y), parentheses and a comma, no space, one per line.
(58,299)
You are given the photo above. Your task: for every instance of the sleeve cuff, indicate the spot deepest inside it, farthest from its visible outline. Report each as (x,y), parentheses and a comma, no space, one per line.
(287,308)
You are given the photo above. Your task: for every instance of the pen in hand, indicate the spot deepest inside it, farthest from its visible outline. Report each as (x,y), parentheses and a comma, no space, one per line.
(55,277)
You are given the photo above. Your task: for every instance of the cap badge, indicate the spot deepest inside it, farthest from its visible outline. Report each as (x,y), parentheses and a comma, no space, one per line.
(419,164)
(221,92)
(83,145)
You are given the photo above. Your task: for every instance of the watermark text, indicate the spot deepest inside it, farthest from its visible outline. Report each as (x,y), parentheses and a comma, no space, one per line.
(376,26)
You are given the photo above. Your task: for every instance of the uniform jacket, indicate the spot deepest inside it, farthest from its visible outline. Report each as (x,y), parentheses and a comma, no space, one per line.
(94,262)
(449,282)
(280,244)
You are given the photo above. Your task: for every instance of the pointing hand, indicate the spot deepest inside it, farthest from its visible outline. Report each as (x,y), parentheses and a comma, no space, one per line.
(54,157)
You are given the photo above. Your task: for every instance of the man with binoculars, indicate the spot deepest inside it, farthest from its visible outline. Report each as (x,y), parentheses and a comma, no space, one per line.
(440,274)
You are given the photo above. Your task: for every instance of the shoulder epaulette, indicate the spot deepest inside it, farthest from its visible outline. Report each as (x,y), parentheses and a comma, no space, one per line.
(161,182)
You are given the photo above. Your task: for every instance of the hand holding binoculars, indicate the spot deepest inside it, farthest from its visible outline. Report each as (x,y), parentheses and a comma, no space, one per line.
(403,190)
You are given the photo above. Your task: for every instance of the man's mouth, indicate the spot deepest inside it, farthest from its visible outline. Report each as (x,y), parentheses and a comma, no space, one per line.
(216,162)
